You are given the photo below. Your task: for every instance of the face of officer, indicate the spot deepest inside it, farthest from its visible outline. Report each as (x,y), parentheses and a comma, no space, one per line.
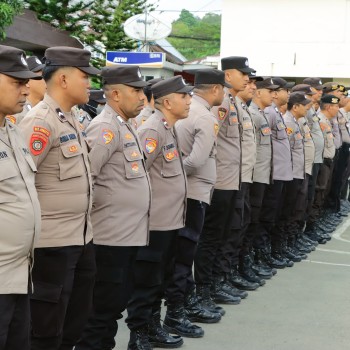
(236,79)
(281,96)
(37,89)
(330,110)
(13,94)
(317,96)
(128,101)
(299,110)
(265,96)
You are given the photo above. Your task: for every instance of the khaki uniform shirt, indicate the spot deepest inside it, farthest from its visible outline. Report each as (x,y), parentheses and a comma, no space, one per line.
(228,158)
(197,137)
(326,127)
(144,115)
(309,147)
(296,145)
(282,156)
(248,141)
(316,133)
(344,125)
(263,166)
(19,211)
(82,116)
(17,118)
(167,173)
(63,180)
(336,132)
(122,194)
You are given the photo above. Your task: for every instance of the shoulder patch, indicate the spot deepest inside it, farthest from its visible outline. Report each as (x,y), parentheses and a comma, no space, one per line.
(222,112)
(38,143)
(151,145)
(107,135)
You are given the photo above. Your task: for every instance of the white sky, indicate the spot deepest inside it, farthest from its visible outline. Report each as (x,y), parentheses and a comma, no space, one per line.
(172,8)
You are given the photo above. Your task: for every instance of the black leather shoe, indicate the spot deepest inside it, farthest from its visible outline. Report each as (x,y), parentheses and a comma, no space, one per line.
(221,297)
(205,300)
(139,339)
(159,338)
(196,313)
(177,322)
(239,282)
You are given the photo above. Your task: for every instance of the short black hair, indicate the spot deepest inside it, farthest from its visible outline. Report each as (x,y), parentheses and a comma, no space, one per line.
(148,93)
(49,71)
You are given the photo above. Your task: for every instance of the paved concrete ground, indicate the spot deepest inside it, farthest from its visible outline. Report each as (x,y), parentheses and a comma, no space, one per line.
(306,307)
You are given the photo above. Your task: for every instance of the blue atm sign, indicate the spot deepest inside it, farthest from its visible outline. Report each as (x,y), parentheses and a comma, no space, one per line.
(142,59)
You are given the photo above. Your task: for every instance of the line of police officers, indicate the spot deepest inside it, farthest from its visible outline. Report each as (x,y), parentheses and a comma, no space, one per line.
(237,176)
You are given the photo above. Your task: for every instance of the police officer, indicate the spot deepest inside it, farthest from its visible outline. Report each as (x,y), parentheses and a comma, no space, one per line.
(319,142)
(270,240)
(119,226)
(299,216)
(296,109)
(329,107)
(197,136)
(149,102)
(19,204)
(64,272)
(168,180)
(37,89)
(263,97)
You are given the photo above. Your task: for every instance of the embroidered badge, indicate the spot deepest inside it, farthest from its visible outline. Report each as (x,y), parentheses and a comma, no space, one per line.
(222,112)
(134,154)
(73,149)
(289,131)
(216,129)
(42,130)
(128,136)
(11,118)
(151,145)
(170,155)
(38,143)
(135,167)
(234,120)
(107,136)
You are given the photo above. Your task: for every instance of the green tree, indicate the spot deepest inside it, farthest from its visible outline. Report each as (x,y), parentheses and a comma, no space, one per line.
(8,9)
(195,37)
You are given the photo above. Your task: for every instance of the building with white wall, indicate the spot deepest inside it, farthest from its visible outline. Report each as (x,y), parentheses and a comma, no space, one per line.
(289,38)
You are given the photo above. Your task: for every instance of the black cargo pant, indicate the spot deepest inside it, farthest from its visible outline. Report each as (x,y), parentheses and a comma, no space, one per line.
(301,202)
(153,270)
(321,186)
(216,230)
(270,213)
(113,287)
(182,280)
(333,200)
(255,231)
(63,280)
(14,322)
(311,214)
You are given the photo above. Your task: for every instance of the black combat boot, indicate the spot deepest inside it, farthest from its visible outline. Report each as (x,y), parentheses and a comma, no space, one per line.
(260,260)
(278,254)
(158,337)
(139,339)
(204,298)
(220,296)
(196,313)
(259,270)
(176,322)
(229,288)
(238,281)
(245,270)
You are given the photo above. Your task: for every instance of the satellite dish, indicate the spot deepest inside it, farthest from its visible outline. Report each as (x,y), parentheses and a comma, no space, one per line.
(147,27)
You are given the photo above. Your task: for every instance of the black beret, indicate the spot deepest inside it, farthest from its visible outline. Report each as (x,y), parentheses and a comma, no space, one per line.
(331,99)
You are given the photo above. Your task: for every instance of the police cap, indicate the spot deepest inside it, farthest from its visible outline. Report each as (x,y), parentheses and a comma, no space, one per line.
(305,88)
(34,64)
(64,56)
(13,63)
(314,82)
(296,98)
(126,75)
(236,62)
(331,99)
(154,81)
(283,84)
(169,86)
(253,76)
(210,76)
(97,96)
(266,83)
(330,86)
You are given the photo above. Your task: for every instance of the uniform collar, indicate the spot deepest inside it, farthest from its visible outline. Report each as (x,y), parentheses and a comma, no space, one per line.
(202,101)
(56,108)
(160,116)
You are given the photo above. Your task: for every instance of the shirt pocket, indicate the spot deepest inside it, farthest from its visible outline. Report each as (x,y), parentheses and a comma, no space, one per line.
(265,137)
(281,130)
(171,162)
(7,171)
(232,126)
(329,139)
(133,163)
(72,163)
